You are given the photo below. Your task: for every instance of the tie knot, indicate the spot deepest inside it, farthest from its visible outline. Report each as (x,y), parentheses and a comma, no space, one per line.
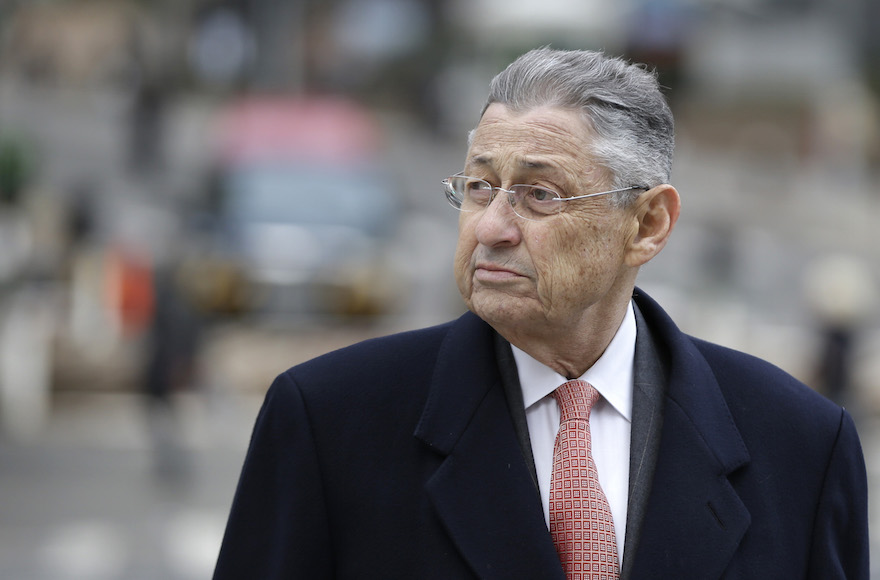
(575,399)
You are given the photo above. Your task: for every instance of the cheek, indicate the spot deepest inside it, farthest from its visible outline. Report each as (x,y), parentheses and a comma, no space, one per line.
(464,252)
(461,269)
(576,264)
(563,257)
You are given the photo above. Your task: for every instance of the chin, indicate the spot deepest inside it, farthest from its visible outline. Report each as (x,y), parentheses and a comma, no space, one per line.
(502,310)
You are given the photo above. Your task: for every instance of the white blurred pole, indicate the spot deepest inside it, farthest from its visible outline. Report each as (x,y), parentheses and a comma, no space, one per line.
(25,363)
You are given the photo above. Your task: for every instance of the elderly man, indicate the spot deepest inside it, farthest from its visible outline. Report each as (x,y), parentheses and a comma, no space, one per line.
(564,427)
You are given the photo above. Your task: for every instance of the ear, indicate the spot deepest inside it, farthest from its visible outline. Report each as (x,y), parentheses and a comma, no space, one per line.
(656,212)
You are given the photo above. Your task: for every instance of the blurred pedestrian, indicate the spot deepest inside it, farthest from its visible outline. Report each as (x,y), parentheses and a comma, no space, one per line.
(841,293)
(173,346)
(564,427)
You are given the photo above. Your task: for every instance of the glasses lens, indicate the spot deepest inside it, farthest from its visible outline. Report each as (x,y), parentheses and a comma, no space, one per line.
(468,193)
(453,196)
(533,203)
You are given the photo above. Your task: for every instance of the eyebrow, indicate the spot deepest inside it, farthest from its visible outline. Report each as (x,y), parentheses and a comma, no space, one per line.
(481,160)
(485,159)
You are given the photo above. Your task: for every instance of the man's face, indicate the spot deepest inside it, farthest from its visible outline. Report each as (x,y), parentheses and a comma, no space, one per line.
(549,275)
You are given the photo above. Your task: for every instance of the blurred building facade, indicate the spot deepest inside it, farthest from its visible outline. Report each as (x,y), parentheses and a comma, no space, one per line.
(776,102)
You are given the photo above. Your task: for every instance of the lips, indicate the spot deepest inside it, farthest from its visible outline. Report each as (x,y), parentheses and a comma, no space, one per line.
(486,272)
(494,268)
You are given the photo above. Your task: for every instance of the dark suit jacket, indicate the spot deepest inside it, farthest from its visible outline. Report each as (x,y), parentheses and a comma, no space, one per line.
(399,458)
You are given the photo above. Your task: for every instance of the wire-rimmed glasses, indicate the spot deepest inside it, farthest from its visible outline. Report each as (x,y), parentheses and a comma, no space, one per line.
(530,202)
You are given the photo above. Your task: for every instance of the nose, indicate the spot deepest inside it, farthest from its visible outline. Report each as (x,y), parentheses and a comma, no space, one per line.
(498,225)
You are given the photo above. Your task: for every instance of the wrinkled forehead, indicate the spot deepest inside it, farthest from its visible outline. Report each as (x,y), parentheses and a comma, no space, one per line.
(541,140)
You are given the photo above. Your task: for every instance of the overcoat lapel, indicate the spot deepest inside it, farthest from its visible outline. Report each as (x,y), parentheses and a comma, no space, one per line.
(483,491)
(695,519)
(484,495)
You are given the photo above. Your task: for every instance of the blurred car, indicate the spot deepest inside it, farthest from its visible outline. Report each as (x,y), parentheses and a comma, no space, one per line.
(304,209)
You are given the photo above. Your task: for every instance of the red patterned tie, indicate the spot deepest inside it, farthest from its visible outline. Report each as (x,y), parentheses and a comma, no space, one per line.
(580,517)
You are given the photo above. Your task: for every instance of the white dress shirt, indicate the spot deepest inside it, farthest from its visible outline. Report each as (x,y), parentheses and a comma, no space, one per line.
(610,419)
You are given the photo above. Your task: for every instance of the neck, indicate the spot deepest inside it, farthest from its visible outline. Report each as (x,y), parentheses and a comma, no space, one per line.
(572,347)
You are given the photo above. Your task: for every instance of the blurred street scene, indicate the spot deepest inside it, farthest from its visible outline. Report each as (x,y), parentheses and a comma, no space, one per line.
(197,194)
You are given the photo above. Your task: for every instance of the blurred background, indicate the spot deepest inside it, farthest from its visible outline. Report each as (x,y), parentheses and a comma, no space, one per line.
(197,194)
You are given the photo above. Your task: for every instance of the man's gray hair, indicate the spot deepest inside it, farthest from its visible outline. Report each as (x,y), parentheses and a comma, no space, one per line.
(621,102)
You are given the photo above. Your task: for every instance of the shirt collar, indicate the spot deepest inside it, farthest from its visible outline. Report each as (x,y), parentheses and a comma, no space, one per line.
(611,375)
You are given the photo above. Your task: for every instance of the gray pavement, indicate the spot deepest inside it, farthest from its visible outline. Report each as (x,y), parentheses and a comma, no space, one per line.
(88,498)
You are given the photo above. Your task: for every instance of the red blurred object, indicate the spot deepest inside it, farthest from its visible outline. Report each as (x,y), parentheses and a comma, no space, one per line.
(130,292)
(307,128)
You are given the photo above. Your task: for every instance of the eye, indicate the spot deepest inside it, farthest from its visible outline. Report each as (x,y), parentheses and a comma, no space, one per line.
(478,190)
(540,194)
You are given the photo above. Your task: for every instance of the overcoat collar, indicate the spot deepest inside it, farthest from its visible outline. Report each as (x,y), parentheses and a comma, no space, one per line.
(483,492)
(694,519)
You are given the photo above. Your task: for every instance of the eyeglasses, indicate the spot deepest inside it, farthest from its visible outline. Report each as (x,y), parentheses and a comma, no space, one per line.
(530,202)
